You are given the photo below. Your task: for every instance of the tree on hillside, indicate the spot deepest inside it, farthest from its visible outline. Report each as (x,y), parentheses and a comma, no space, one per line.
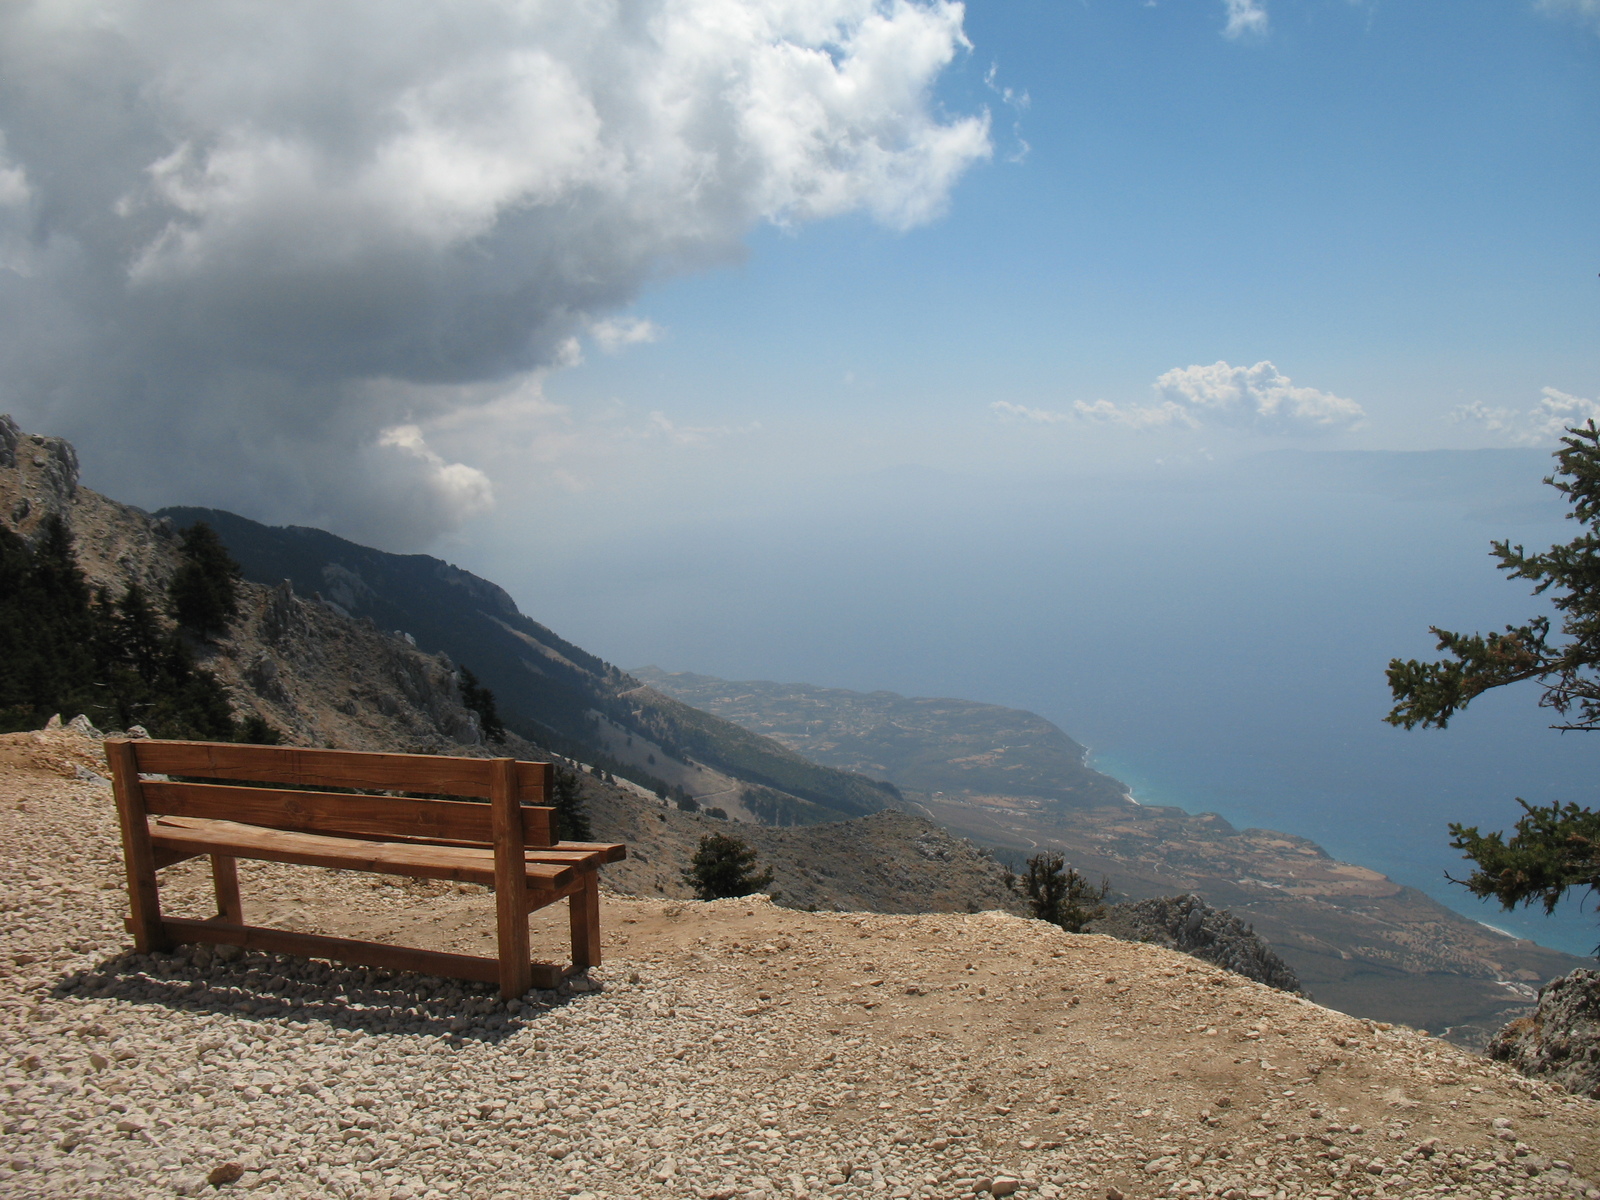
(481,701)
(47,628)
(1061,894)
(566,797)
(1554,849)
(204,593)
(724,866)
(63,650)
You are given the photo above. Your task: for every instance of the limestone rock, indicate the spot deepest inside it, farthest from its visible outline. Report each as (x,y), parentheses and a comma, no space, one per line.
(1561,1040)
(1189,924)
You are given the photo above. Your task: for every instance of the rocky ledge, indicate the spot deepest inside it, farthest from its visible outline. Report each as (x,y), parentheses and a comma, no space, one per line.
(1560,1040)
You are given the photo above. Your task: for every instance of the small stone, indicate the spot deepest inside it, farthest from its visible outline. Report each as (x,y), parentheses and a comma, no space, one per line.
(1116,1193)
(228,1172)
(1004,1185)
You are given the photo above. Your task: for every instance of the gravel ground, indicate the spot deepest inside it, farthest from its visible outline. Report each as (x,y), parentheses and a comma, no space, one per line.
(726,1049)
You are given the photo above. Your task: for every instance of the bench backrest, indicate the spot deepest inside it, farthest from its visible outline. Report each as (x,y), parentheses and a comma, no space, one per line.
(293,807)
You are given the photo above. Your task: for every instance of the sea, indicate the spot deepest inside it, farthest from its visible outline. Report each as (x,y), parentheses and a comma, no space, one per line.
(1216,636)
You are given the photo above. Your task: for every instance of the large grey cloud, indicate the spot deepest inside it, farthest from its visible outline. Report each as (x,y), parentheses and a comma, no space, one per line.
(236,237)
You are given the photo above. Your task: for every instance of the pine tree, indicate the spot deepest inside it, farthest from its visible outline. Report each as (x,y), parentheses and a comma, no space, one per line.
(481,701)
(204,593)
(63,650)
(571,818)
(724,866)
(1555,849)
(1061,894)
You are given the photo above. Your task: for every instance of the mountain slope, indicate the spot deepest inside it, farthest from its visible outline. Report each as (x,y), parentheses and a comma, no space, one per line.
(1356,939)
(549,690)
(323,677)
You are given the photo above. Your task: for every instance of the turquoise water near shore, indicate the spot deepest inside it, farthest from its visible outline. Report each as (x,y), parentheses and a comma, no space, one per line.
(1353,833)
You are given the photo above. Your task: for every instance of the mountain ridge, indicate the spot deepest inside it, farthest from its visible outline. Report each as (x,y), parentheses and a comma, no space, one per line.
(548,689)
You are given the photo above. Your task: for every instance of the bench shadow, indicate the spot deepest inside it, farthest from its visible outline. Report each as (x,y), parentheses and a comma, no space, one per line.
(259,986)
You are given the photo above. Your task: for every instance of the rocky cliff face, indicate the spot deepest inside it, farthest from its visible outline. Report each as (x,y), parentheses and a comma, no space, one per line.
(1560,1041)
(1189,924)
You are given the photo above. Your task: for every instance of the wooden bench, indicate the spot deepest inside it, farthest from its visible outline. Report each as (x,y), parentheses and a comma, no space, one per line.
(505,844)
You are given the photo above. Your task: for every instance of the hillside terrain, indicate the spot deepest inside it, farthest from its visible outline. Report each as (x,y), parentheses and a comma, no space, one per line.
(550,691)
(316,676)
(322,676)
(1356,939)
(732,1049)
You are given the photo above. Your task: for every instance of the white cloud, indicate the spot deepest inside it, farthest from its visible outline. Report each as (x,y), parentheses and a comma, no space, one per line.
(1585,11)
(1541,425)
(453,490)
(1137,416)
(613,334)
(249,224)
(1259,398)
(1244,17)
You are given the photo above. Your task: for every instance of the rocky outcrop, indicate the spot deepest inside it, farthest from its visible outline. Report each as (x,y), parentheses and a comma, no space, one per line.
(1189,924)
(10,435)
(47,473)
(1560,1041)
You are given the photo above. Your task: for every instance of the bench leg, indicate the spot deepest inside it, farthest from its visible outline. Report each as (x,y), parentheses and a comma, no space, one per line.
(225,878)
(138,856)
(510,880)
(585,914)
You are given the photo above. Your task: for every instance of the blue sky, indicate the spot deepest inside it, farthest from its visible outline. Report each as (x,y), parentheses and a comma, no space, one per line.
(1392,203)
(523,250)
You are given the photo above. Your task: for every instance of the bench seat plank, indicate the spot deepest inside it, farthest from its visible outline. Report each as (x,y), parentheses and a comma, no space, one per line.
(609,852)
(432,774)
(467,864)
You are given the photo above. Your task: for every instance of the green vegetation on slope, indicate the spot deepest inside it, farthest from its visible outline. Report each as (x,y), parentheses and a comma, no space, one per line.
(65,650)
